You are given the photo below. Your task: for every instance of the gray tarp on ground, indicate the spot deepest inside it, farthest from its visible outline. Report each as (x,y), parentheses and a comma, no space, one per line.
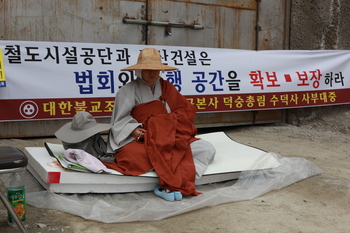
(146,206)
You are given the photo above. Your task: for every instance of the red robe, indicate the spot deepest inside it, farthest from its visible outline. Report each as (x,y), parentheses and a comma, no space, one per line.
(166,146)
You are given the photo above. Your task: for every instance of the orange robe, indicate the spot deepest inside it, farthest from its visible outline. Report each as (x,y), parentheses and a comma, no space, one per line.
(166,146)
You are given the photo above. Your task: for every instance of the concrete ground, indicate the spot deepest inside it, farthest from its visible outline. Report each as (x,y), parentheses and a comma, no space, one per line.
(317,204)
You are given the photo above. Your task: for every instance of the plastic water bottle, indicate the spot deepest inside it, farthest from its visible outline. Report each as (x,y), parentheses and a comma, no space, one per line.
(16,196)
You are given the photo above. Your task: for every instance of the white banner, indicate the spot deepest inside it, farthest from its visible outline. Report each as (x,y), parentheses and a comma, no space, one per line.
(47,80)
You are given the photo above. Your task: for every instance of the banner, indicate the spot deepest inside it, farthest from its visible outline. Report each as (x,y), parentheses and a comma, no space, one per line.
(53,80)
(2,71)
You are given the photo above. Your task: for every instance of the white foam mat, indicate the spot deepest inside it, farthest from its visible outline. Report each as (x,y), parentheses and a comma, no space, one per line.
(231,158)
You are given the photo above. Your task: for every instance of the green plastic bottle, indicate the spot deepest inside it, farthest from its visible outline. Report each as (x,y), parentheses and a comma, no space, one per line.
(16,196)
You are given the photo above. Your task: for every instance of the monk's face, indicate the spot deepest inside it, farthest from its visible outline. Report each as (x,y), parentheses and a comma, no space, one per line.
(150,76)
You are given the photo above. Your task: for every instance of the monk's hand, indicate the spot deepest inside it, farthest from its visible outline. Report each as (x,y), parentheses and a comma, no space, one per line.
(138,133)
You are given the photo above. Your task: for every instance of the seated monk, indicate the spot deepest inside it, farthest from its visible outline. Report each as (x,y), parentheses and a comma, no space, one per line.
(152,128)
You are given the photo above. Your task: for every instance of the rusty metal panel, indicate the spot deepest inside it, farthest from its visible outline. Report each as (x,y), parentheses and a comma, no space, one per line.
(98,21)
(223,119)
(238,118)
(241,4)
(226,24)
(44,128)
(269,116)
(273,24)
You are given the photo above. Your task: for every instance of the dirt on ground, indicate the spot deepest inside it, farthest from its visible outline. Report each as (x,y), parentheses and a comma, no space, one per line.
(317,204)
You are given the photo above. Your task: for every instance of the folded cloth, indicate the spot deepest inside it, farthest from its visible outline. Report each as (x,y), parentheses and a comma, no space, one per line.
(85,159)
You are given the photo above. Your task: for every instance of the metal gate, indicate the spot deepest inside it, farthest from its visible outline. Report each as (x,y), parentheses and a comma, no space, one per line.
(235,24)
